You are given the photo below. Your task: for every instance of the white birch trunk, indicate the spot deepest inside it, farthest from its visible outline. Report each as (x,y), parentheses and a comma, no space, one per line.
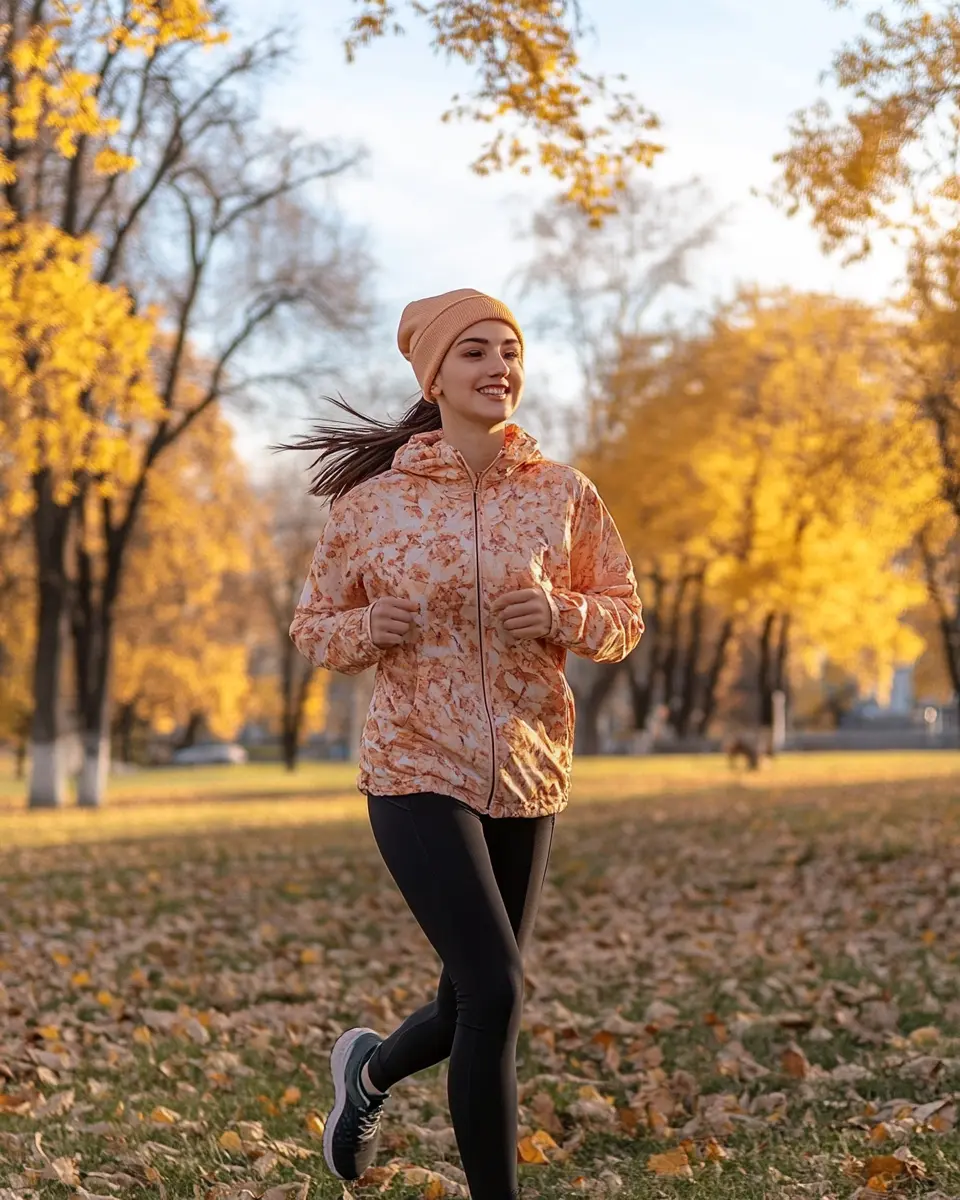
(47,775)
(94,769)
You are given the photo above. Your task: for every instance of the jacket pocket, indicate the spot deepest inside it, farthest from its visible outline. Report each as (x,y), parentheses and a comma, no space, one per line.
(439,696)
(531,684)
(395,687)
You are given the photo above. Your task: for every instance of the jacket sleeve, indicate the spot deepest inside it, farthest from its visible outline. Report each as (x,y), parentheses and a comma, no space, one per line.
(331,624)
(599,617)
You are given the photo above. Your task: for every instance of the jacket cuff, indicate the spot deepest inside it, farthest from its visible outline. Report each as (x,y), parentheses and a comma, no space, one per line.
(369,648)
(554,615)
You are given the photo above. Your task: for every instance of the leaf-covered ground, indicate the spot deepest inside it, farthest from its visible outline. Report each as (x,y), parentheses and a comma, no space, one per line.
(737,991)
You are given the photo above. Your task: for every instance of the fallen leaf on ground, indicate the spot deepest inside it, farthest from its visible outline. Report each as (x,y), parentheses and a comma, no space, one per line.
(533,1149)
(380,1177)
(64,1170)
(671,1164)
(794,1063)
(891,1166)
(544,1111)
(162,1115)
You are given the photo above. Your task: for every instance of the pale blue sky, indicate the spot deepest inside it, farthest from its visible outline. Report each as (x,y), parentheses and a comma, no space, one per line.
(724,76)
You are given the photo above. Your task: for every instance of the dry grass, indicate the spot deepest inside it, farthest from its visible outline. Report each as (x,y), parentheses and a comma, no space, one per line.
(756,978)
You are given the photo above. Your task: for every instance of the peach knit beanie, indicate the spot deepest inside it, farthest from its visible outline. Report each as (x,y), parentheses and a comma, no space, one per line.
(428,328)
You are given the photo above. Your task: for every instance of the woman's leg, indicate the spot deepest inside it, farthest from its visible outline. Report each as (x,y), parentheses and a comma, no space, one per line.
(519,849)
(472,883)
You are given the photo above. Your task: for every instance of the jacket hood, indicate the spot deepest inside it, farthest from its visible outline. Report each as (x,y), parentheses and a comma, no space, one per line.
(429,454)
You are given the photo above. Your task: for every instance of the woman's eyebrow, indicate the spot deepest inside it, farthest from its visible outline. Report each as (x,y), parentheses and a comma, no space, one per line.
(486,341)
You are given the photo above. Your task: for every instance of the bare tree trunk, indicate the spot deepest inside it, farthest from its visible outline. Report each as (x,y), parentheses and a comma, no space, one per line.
(940,408)
(194,725)
(298,679)
(947,608)
(782,674)
(95,728)
(93,627)
(641,697)
(50,526)
(21,755)
(645,690)
(672,658)
(765,686)
(590,706)
(772,671)
(690,674)
(93,654)
(126,720)
(713,676)
(950,633)
(293,698)
(289,746)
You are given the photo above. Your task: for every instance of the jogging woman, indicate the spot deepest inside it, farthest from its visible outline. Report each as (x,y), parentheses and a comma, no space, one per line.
(463,565)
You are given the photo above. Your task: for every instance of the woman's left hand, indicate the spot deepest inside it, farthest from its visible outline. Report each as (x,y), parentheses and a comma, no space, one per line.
(525,614)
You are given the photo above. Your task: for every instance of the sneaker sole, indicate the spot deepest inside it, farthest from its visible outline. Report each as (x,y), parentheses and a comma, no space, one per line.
(338,1062)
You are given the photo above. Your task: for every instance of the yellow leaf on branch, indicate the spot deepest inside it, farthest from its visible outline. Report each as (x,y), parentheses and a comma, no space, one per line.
(529,72)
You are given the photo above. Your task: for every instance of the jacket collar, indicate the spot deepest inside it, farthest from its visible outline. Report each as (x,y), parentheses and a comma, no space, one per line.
(429,455)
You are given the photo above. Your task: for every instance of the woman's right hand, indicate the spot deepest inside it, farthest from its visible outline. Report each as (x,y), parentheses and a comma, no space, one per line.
(390,620)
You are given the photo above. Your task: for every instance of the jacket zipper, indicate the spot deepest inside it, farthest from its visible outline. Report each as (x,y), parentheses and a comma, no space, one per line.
(483,655)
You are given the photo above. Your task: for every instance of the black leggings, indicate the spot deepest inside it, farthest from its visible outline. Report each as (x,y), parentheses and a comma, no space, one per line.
(473,883)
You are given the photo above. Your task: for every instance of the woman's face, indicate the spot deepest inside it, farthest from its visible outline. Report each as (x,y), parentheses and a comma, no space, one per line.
(480,380)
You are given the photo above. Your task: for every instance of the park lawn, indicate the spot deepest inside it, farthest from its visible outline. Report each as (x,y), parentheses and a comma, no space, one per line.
(740,988)
(267,780)
(148,802)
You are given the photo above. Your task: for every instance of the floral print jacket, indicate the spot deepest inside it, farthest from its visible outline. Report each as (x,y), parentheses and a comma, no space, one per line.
(456,708)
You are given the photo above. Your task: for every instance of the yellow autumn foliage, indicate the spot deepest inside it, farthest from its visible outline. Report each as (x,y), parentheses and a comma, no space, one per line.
(774,451)
(74,364)
(531,78)
(17,635)
(182,623)
(51,98)
(887,161)
(75,367)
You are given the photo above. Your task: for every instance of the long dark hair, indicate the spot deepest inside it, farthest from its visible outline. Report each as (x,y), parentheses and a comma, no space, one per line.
(348,454)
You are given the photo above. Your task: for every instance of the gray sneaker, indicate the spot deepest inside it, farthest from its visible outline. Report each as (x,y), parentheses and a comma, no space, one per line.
(351,1136)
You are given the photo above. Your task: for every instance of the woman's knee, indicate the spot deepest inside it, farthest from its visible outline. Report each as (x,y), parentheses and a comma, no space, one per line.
(494,998)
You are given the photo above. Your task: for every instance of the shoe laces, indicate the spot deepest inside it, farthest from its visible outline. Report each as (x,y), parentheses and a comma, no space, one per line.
(368,1121)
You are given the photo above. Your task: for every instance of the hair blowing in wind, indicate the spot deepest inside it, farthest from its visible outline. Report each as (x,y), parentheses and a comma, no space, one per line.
(348,454)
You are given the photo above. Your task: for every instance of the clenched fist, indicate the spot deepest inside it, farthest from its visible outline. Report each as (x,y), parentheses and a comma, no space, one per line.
(525,614)
(390,620)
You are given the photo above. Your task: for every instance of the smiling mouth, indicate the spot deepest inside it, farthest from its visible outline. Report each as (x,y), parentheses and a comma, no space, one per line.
(494,393)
